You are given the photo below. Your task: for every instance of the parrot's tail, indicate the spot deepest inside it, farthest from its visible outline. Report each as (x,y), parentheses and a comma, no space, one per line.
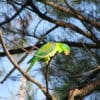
(32,61)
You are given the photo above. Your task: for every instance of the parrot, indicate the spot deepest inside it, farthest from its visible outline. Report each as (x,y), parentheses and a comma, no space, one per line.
(47,51)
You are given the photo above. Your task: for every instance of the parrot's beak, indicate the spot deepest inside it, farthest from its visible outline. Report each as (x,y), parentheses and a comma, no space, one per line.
(66,53)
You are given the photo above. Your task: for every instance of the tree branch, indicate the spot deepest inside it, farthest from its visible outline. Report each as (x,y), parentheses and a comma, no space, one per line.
(43,89)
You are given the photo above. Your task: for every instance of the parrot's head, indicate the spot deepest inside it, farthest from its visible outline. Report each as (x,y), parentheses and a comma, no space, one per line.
(63,48)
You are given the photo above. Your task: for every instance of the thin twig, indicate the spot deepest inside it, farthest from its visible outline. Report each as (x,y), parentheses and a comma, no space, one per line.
(47,74)
(91,55)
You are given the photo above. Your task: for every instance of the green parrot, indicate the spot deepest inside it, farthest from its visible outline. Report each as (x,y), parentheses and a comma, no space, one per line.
(47,51)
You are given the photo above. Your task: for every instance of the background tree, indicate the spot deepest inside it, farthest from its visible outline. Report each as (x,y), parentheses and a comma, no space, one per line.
(26,25)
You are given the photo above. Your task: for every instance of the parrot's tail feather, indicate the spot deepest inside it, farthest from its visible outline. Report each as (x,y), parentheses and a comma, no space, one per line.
(32,61)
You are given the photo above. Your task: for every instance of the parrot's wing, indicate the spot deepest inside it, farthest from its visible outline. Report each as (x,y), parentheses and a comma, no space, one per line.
(32,61)
(46,50)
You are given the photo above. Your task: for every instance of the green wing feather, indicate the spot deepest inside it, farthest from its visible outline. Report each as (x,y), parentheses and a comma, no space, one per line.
(43,54)
(33,61)
(46,50)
